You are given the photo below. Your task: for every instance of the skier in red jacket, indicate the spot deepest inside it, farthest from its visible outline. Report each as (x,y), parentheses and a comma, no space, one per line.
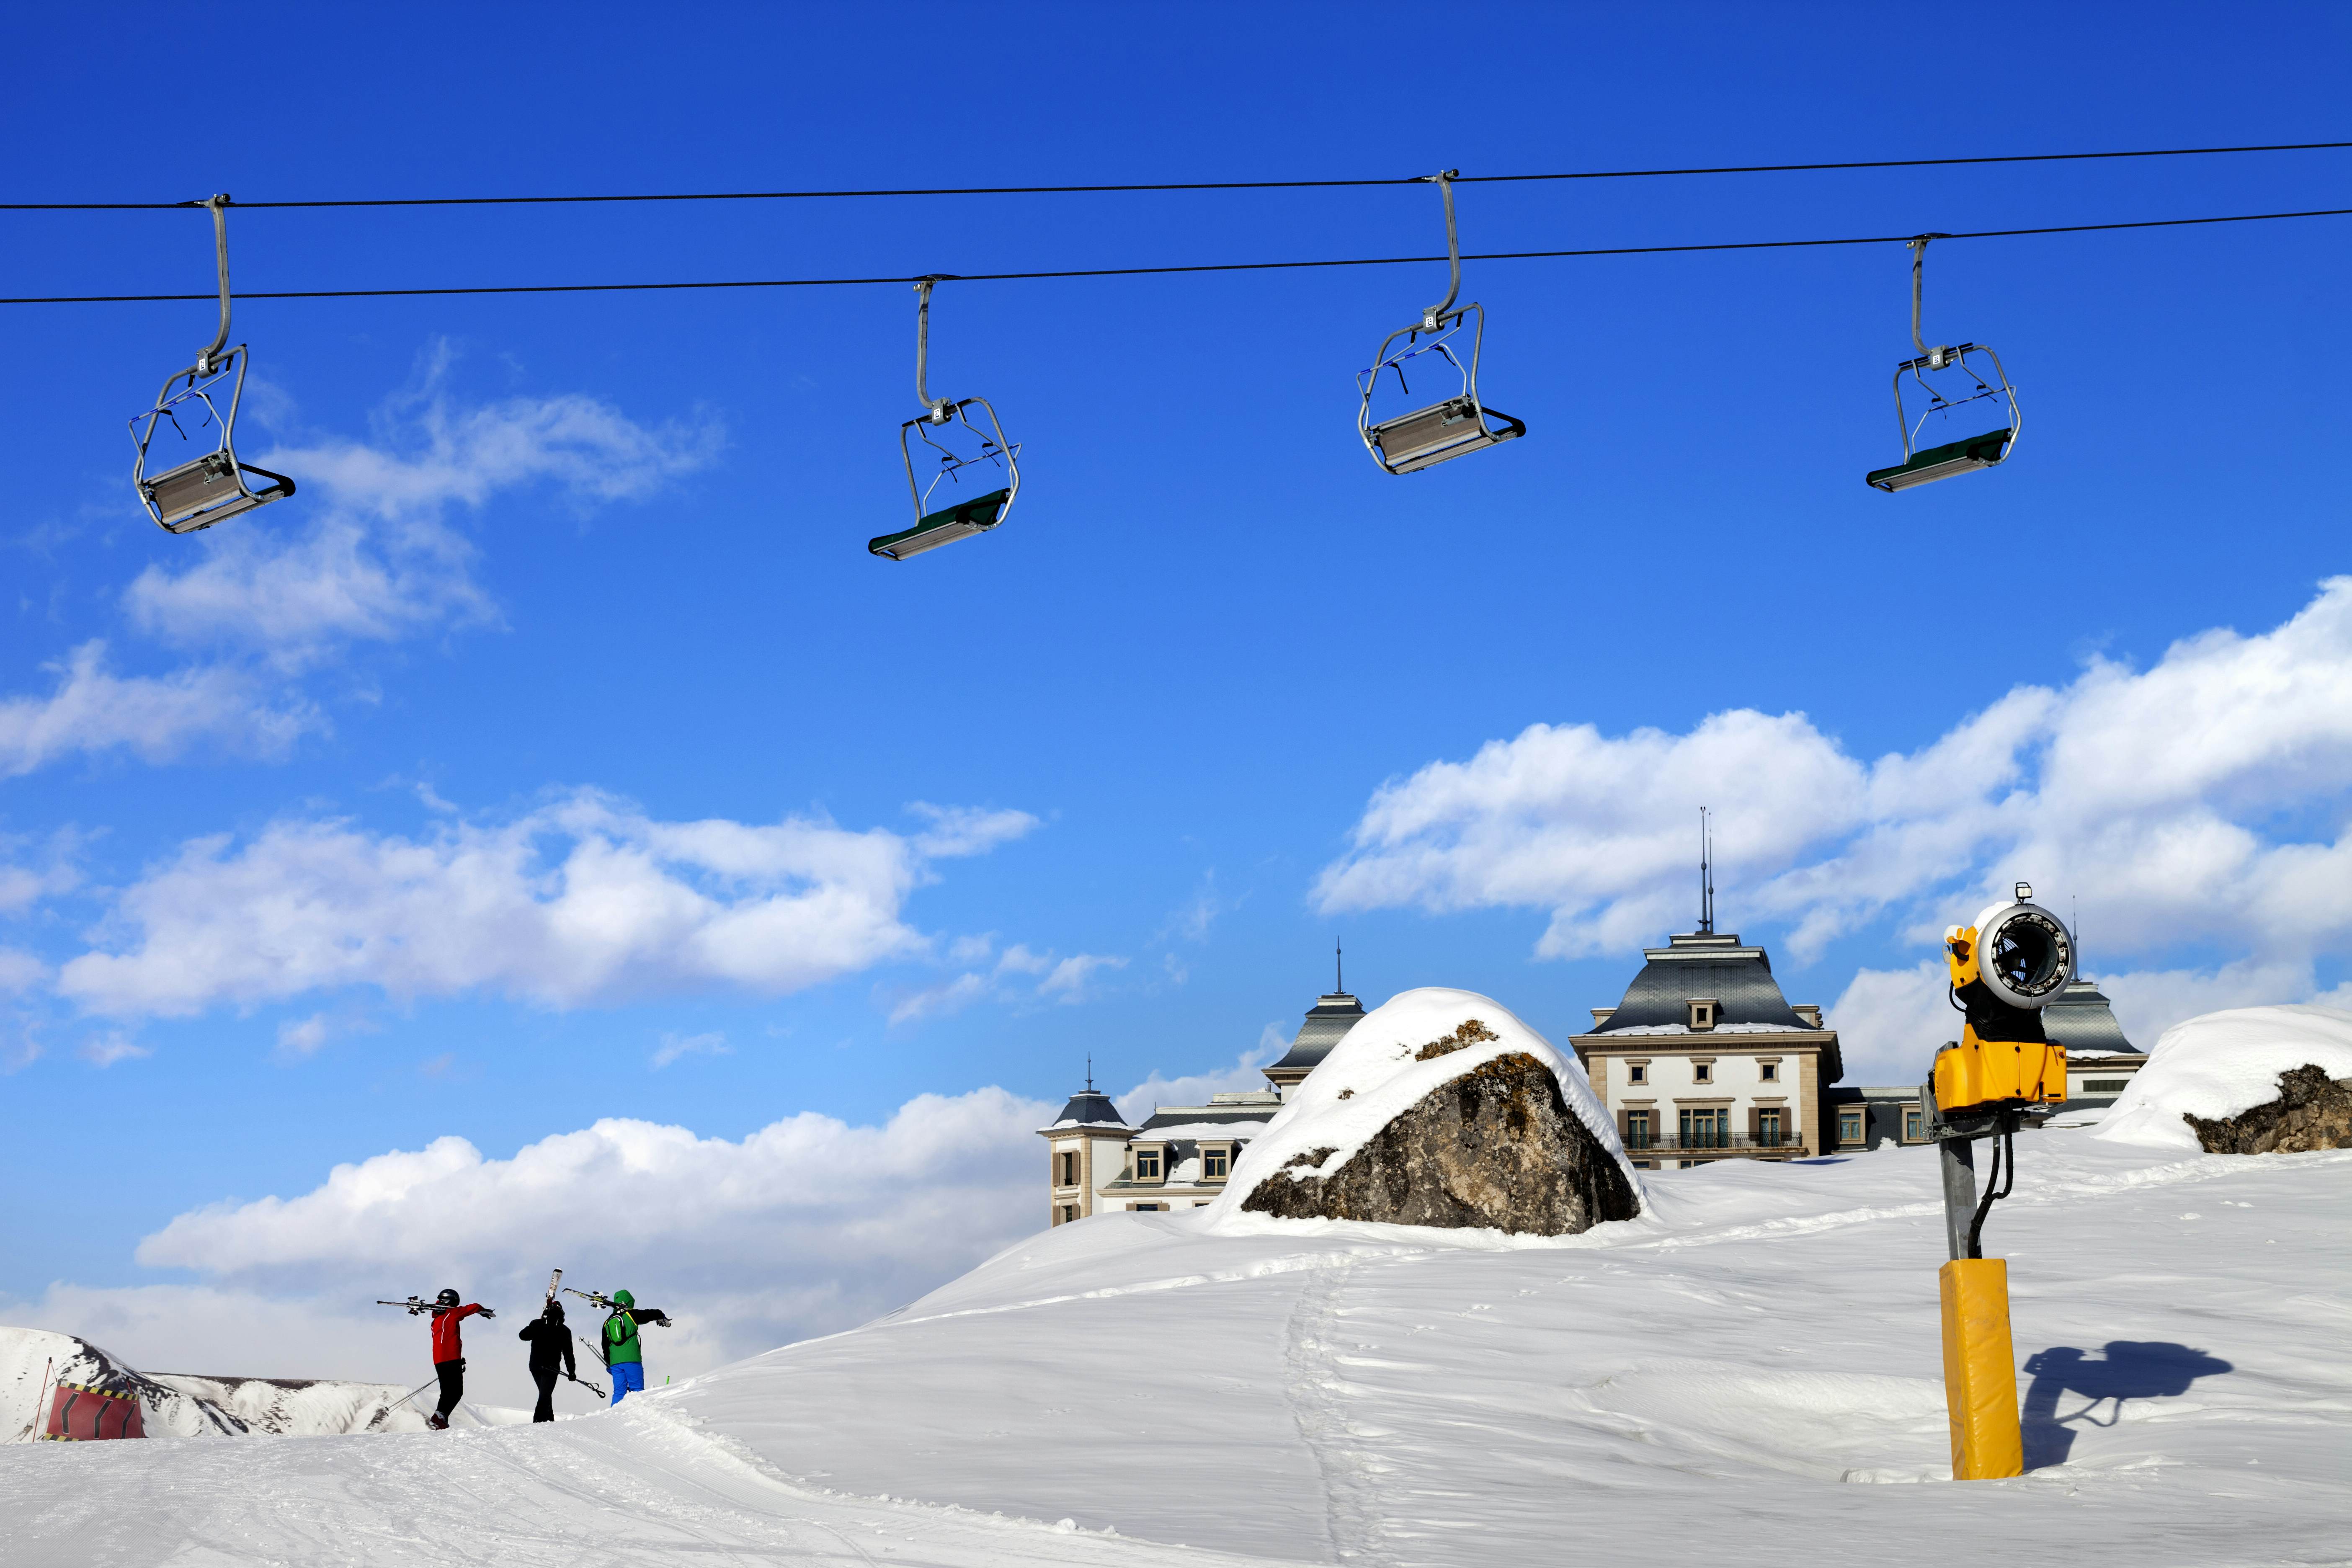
(449,1353)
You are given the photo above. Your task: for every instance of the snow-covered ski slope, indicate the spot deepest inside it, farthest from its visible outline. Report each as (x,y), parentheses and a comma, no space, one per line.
(1738,1373)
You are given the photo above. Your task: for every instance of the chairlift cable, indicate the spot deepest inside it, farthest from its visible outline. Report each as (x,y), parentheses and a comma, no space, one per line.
(1153,271)
(1185,185)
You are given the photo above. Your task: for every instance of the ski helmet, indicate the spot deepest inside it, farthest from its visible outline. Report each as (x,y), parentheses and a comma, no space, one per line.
(622,1299)
(554,1313)
(447,1299)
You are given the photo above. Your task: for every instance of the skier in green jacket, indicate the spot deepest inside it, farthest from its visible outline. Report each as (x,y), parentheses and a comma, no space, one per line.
(623,1355)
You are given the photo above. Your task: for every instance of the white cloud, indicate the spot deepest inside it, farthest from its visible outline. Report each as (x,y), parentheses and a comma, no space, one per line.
(2168,801)
(20,971)
(808,1225)
(1194,1089)
(673,1046)
(1065,979)
(583,900)
(153,718)
(303,1037)
(373,556)
(105,1051)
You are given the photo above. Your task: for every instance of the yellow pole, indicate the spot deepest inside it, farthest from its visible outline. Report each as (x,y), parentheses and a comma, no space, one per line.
(1980,1370)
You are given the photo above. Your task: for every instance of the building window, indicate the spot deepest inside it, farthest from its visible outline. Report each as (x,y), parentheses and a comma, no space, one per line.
(1769,1072)
(1768,1127)
(1849,1126)
(1151,1208)
(2106,1085)
(1702,1013)
(1637,1072)
(1707,1127)
(1147,1164)
(1914,1124)
(1702,1072)
(1212,1164)
(1066,1212)
(1065,1167)
(1637,1129)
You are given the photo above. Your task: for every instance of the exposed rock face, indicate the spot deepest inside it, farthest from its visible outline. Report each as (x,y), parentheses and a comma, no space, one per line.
(1496,1147)
(2312,1111)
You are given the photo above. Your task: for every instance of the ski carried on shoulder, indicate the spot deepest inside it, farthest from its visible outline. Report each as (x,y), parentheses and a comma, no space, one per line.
(413,1305)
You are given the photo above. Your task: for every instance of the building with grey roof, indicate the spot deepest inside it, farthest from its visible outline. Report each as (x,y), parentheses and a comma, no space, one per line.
(1704,1059)
(1181,1154)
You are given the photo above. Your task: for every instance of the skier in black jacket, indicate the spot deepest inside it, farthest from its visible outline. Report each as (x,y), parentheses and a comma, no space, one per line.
(550,1350)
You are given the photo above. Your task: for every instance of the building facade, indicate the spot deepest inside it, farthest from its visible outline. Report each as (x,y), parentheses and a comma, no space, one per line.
(1706,1060)
(1181,1154)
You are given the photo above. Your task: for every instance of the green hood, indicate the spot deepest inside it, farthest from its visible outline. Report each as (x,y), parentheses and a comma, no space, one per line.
(622,1299)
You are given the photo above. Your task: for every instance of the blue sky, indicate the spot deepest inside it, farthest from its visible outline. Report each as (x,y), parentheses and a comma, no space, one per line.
(371,819)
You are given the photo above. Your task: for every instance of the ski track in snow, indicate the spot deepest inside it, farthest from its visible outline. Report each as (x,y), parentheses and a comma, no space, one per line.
(1752,1366)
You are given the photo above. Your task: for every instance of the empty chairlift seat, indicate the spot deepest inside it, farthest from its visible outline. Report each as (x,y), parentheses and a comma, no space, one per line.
(1942,462)
(1453,428)
(960,521)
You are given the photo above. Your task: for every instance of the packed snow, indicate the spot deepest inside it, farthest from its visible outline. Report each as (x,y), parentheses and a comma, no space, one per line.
(1374,1075)
(1738,1369)
(2223,1064)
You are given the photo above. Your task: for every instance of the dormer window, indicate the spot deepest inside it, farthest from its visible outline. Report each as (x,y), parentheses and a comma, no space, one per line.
(1702,1012)
(1147,1164)
(1214,1163)
(1637,1072)
(1769,1071)
(1702,1072)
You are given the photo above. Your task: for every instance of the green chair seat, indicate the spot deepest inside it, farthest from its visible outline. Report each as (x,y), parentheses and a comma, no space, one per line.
(960,521)
(1942,462)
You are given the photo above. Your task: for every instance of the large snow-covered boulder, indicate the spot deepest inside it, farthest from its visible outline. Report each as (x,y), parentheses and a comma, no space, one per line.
(2221,1066)
(1439,1108)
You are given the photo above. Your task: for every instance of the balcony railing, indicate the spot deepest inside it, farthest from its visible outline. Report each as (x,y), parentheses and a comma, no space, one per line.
(1646,1142)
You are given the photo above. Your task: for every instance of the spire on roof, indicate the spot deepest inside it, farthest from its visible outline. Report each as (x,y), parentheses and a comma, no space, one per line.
(1339,969)
(1706,875)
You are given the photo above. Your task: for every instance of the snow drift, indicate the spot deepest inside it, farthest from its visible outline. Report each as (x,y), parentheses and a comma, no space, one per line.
(2222,1065)
(1375,1074)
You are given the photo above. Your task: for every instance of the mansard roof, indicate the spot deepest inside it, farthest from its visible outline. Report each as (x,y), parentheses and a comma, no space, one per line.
(1695,964)
(1090,1108)
(1328,1022)
(2084,1021)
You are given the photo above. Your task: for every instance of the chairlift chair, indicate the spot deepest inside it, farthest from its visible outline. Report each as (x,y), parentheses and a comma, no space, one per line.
(1925,465)
(212,486)
(941,418)
(1456,426)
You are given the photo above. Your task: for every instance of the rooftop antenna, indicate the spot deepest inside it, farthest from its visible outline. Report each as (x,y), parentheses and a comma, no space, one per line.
(1339,969)
(1090,1073)
(1706,875)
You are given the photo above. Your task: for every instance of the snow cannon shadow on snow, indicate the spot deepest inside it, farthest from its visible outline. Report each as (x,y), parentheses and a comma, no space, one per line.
(2125,1369)
(1441,1108)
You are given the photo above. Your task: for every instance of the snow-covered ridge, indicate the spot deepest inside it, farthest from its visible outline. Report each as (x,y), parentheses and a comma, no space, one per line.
(2223,1064)
(179,1405)
(1374,1075)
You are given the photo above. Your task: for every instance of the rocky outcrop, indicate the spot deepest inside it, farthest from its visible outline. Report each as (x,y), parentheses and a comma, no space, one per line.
(1496,1147)
(2312,1111)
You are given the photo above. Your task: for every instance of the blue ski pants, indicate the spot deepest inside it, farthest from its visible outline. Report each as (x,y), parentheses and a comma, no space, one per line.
(628,1377)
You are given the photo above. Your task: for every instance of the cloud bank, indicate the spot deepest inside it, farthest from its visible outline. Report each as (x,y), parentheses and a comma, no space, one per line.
(584,900)
(2201,801)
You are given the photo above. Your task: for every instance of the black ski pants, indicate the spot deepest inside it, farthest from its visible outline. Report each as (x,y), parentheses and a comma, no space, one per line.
(546,1381)
(453,1384)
